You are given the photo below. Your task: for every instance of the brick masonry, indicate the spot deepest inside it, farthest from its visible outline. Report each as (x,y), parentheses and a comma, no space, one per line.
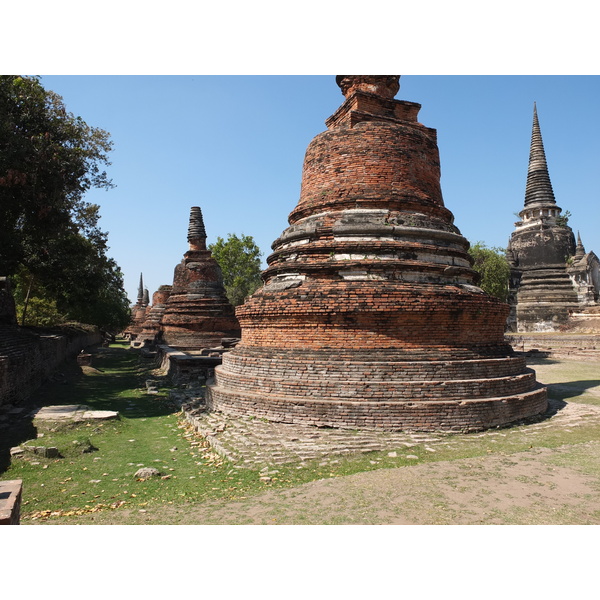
(10,502)
(197,313)
(370,315)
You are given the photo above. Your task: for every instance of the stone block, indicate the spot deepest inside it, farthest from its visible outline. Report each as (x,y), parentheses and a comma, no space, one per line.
(10,501)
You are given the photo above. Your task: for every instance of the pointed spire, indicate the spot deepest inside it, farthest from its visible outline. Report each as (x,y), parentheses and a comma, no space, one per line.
(579,250)
(538,189)
(196,230)
(140,295)
(146,299)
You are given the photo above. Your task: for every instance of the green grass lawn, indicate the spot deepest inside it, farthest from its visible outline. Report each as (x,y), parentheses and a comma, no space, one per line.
(148,433)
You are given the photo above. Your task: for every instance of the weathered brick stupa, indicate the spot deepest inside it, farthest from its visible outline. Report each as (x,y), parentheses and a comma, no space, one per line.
(150,331)
(369,315)
(550,277)
(138,311)
(197,312)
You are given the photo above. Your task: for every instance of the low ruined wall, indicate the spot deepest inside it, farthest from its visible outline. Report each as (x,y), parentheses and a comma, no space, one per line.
(29,356)
(560,344)
(182,367)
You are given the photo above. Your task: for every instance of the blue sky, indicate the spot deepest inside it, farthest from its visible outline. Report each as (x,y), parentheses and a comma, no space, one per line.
(234,145)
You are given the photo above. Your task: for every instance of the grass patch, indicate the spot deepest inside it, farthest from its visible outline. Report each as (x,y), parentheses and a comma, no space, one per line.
(569,380)
(148,433)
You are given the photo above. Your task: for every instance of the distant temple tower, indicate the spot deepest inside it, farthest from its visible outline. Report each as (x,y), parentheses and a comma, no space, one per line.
(550,276)
(370,315)
(150,330)
(197,313)
(138,312)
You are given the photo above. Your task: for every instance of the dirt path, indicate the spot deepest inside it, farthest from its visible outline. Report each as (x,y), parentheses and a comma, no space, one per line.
(539,487)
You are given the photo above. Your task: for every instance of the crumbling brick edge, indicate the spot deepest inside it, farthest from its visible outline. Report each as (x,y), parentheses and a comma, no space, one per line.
(10,501)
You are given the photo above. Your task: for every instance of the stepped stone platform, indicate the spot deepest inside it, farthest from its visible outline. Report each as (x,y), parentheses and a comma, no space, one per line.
(248,442)
(566,345)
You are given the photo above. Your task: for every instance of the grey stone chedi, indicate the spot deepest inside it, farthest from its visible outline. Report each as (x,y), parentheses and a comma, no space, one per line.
(551,276)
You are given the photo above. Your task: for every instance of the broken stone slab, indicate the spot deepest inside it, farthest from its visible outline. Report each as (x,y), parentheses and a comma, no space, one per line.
(73,412)
(10,501)
(102,415)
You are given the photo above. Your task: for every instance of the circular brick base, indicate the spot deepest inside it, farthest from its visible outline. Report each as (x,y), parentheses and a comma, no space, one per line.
(384,389)
(455,416)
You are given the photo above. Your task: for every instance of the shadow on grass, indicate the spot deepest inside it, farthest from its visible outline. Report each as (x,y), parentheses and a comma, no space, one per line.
(538,359)
(115,381)
(571,389)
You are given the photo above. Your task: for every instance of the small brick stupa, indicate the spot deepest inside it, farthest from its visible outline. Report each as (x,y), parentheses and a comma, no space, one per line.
(150,331)
(551,277)
(138,311)
(370,316)
(197,313)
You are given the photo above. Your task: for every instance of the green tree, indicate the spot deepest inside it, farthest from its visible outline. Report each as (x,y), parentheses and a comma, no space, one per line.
(493,268)
(51,243)
(239,259)
(563,219)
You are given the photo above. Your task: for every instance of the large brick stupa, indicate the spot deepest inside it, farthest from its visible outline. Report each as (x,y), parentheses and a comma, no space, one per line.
(197,313)
(370,316)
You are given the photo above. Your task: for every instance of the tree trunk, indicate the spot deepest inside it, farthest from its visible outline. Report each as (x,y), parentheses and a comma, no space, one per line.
(26,302)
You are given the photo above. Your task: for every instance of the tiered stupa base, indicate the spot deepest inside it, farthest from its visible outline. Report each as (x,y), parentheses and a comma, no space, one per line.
(342,398)
(419,367)
(545,300)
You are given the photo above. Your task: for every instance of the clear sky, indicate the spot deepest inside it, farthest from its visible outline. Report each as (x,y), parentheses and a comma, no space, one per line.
(234,145)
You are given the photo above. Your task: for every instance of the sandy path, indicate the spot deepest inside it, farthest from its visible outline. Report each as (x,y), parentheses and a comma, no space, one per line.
(542,486)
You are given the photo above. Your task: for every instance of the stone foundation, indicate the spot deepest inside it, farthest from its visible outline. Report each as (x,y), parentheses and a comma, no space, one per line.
(464,416)
(377,389)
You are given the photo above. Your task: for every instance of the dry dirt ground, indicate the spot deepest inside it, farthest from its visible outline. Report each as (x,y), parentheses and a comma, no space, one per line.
(541,486)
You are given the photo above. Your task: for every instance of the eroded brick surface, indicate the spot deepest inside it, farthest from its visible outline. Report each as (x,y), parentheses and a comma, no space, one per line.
(370,315)
(197,313)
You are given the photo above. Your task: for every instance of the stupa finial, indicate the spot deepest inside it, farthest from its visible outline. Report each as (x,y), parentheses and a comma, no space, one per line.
(196,230)
(140,295)
(538,189)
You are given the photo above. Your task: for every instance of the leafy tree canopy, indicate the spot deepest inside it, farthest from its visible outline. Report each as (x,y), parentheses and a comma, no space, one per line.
(493,268)
(51,244)
(239,259)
